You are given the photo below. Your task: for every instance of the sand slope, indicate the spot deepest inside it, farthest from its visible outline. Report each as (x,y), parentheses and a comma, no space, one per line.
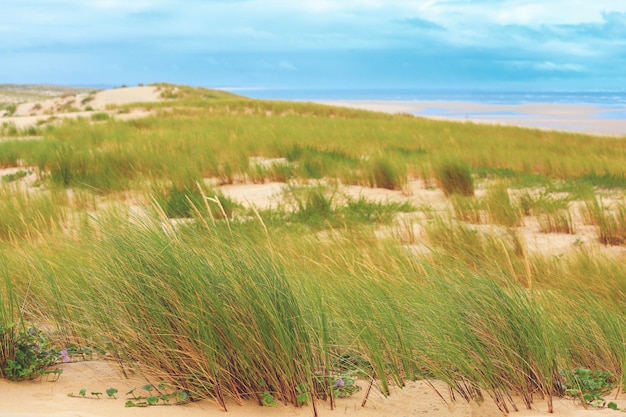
(82,105)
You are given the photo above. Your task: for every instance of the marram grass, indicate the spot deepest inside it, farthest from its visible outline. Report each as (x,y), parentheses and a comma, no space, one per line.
(236,305)
(233,309)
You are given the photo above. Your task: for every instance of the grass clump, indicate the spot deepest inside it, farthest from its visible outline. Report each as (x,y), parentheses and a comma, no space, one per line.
(500,207)
(455,178)
(610,222)
(386,173)
(24,215)
(468,209)
(188,198)
(100,117)
(363,210)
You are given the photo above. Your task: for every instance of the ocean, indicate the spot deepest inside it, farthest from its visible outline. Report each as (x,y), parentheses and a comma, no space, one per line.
(607,99)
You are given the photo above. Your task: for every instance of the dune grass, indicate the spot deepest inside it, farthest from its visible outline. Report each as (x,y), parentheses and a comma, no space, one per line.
(191,300)
(245,304)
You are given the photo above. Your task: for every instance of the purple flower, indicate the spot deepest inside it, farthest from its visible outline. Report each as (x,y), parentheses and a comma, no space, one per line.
(64,356)
(339,383)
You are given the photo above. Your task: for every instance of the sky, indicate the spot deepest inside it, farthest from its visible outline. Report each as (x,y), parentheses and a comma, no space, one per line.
(557,45)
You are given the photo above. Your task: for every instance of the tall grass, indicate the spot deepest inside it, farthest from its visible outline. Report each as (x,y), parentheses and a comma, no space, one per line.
(609,221)
(236,309)
(8,316)
(30,215)
(262,302)
(217,133)
(455,178)
(500,207)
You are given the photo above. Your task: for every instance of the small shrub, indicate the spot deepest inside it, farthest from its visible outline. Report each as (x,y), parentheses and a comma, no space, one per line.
(588,386)
(24,355)
(10,108)
(455,178)
(87,99)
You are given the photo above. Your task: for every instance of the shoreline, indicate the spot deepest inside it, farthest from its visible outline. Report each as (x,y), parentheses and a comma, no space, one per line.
(574,118)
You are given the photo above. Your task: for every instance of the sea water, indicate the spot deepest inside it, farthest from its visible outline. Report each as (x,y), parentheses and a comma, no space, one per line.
(600,98)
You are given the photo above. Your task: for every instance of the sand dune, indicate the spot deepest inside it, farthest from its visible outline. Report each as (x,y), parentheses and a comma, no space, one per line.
(82,105)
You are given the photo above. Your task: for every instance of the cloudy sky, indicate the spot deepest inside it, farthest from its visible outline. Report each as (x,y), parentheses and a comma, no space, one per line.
(515,44)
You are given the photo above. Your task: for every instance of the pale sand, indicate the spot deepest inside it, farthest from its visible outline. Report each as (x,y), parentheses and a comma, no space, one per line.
(270,195)
(566,117)
(31,114)
(50,399)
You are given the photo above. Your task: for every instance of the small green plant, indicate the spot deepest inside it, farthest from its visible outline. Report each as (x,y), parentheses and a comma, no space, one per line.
(345,386)
(15,176)
(303,395)
(87,99)
(10,108)
(268,399)
(110,392)
(160,397)
(588,386)
(26,354)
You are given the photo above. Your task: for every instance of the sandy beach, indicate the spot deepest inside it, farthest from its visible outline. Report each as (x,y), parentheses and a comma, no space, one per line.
(567,117)
(43,398)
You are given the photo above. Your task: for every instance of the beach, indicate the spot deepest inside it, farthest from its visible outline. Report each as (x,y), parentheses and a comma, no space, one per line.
(60,398)
(582,118)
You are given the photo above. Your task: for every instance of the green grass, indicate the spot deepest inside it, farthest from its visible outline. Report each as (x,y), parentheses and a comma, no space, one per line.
(25,215)
(609,221)
(191,300)
(455,178)
(236,303)
(500,207)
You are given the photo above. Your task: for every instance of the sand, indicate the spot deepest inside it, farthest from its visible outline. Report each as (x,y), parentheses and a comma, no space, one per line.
(50,399)
(83,105)
(47,399)
(566,117)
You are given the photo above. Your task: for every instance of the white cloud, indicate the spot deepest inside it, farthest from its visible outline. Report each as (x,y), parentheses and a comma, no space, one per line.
(551,66)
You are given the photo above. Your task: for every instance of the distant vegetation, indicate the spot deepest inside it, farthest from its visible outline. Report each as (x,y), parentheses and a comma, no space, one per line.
(124,241)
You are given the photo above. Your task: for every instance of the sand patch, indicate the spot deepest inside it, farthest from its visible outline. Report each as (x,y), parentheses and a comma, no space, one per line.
(566,117)
(83,105)
(50,399)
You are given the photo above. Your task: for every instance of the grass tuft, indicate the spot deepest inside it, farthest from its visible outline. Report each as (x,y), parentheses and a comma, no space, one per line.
(455,178)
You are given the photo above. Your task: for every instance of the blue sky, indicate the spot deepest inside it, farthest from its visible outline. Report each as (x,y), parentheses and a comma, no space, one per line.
(515,44)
